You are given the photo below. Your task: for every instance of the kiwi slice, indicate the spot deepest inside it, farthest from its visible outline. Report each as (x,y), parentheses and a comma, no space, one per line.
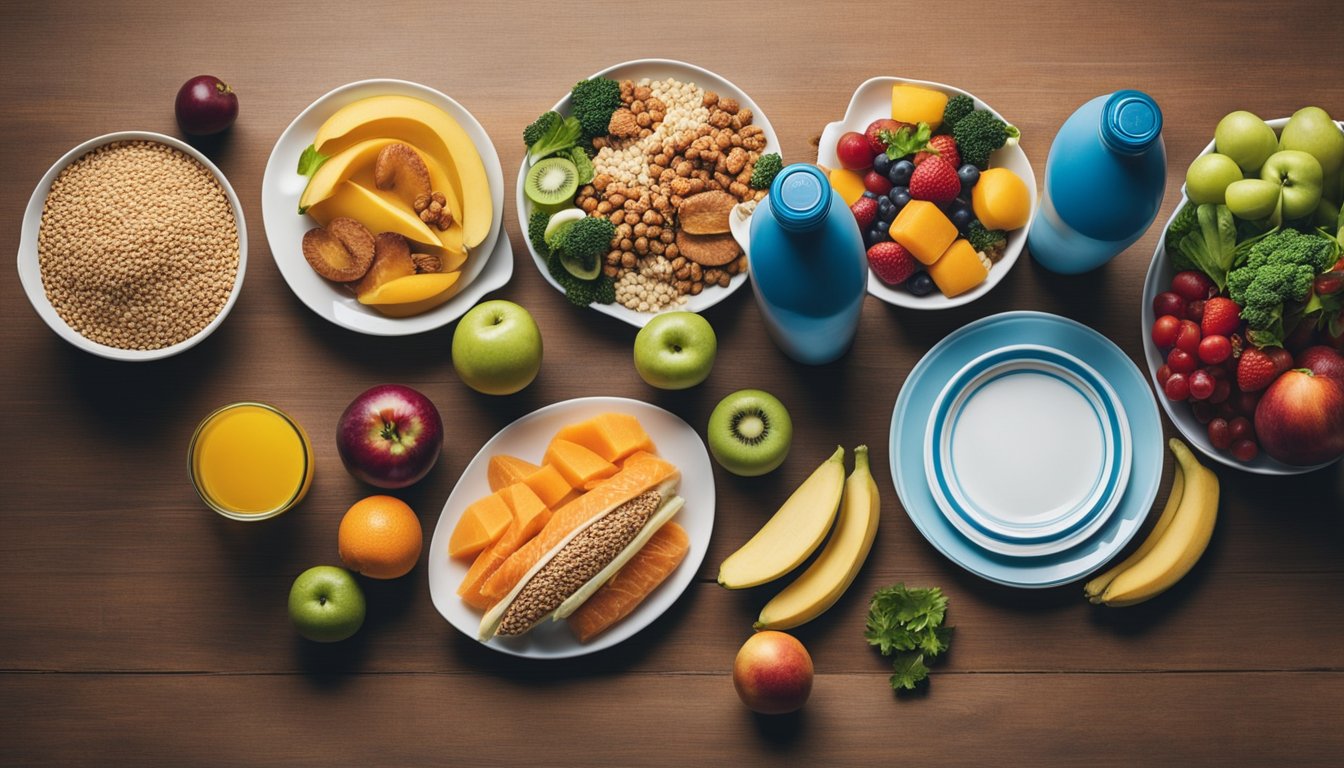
(750,432)
(551,181)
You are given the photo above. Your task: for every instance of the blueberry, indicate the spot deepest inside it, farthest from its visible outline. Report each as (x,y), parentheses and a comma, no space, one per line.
(920,284)
(871,195)
(899,173)
(962,217)
(885,208)
(882,163)
(883,226)
(871,237)
(969,175)
(899,196)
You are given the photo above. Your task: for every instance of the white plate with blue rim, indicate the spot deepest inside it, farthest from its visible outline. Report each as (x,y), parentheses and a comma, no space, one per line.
(915,406)
(1027,451)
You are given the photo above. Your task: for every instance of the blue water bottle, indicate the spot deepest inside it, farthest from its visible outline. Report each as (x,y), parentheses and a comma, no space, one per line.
(1104,181)
(808,266)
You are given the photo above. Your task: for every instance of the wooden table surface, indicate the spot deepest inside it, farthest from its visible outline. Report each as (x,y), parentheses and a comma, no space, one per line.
(137,624)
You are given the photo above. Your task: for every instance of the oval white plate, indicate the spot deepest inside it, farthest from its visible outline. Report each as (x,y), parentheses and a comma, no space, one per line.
(527,438)
(1158,278)
(871,101)
(657,69)
(488,268)
(30,275)
(1027,451)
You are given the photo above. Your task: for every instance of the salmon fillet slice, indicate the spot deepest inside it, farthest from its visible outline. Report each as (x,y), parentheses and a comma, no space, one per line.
(642,471)
(628,588)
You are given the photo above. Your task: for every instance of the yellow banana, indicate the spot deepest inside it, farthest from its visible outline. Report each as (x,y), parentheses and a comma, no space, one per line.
(1185,540)
(811,594)
(1097,585)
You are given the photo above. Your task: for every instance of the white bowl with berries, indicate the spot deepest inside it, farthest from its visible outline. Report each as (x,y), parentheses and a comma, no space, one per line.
(1235,401)
(940,189)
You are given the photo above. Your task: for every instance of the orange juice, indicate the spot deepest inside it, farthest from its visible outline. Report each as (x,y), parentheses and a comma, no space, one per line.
(250,461)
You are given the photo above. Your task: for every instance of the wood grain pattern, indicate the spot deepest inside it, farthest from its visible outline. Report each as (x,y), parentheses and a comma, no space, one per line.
(139,625)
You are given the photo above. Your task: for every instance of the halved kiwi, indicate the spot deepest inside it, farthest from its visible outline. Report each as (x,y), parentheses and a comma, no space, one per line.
(551,182)
(750,432)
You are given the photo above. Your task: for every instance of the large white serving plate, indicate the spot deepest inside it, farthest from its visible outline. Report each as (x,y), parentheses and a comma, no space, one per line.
(1158,278)
(872,100)
(527,438)
(656,69)
(1027,451)
(489,265)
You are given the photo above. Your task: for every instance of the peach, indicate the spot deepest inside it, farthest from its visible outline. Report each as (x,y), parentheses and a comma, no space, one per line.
(773,673)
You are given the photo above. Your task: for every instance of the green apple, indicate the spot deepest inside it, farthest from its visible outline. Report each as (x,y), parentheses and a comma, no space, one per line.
(1245,138)
(326,604)
(1253,199)
(497,348)
(1312,131)
(1299,174)
(1207,178)
(675,350)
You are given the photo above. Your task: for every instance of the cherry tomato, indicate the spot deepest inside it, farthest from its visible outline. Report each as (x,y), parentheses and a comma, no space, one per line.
(1201,385)
(1203,411)
(1168,303)
(1187,338)
(1222,389)
(1214,349)
(1241,429)
(1219,434)
(1195,311)
(1163,373)
(1181,361)
(1193,285)
(1165,329)
(1177,387)
(1245,450)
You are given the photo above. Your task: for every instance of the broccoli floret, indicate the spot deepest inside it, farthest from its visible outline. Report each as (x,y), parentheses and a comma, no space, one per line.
(593,103)
(767,168)
(540,126)
(979,134)
(586,241)
(536,232)
(957,107)
(1279,270)
(990,242)
(581,293)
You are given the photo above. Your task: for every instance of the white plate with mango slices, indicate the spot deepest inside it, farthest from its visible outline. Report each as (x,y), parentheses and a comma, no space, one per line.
(347,127)
(873,100)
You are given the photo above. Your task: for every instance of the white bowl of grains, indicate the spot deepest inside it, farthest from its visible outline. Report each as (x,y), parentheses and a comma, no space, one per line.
(133,246)
(647,283)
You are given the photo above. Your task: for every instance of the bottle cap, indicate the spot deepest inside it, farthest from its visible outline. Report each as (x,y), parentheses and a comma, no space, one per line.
(1130,122)
(800,197)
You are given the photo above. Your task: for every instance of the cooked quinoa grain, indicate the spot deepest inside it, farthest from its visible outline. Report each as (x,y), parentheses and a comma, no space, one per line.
(138,247)
(577,562)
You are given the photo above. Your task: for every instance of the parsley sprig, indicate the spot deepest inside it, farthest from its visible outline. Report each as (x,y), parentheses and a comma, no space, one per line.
(908,624)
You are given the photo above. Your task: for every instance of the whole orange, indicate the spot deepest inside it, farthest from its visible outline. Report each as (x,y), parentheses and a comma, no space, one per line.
(380,537)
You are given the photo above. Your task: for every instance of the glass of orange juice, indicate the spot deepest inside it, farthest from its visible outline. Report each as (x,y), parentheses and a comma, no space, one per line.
(250,461)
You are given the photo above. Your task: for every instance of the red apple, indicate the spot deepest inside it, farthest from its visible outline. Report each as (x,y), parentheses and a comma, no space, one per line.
(772,673)
(390,436)
(1300,419)
(1322,361)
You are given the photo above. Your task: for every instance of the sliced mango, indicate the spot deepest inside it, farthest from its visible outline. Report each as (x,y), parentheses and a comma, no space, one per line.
(577,464)
(924,230)
(529,515)
(505,470)
(551,486)
(916,104)
(413,294)
(613,436)
(847,184)
(959,270)
(373,211)
(433,132)
(481,524)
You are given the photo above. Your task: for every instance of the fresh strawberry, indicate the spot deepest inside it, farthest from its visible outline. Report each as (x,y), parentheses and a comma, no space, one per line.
(935,180)
(891,262)
(1222,317)
(943,146)
(1255,370)
(865,212)
(876,127)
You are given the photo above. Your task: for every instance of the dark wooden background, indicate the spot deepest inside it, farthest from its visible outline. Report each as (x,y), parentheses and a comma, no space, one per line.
(134,623)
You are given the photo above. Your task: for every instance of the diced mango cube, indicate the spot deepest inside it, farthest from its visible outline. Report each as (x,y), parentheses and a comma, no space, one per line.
(916,104)
(505,470)
(847,184)
(484,521)
(1001,200)
(924,230)
(577,464)
(549,485)
(960,269)
(613,436)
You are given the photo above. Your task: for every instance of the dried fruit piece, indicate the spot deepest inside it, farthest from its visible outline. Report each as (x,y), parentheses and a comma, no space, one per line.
(356,238)
(329,257)
(399,167)
(706,213)
(391,260)
(707,250)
